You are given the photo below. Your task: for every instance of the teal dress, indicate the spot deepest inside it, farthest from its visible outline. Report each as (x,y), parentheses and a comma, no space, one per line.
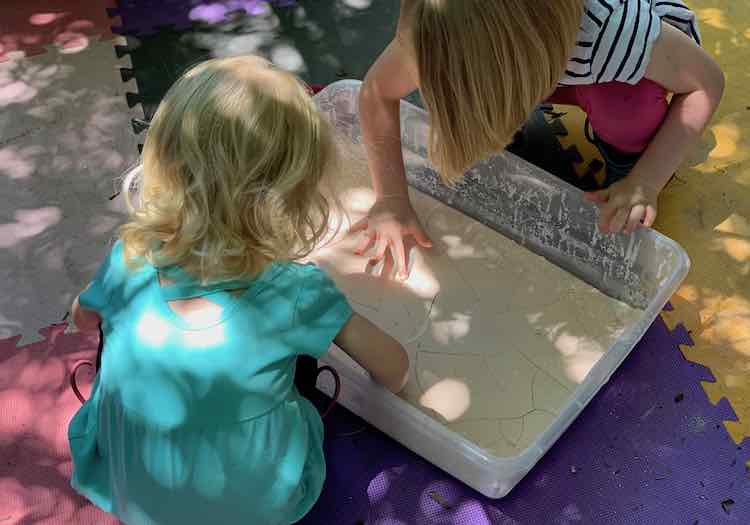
(202,423)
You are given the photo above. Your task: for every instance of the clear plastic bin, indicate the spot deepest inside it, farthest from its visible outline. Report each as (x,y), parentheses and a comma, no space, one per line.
(552,219)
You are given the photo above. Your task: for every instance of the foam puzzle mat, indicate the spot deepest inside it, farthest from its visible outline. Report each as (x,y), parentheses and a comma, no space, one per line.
(706,208)
(65,139)
(29,27)
(650,448)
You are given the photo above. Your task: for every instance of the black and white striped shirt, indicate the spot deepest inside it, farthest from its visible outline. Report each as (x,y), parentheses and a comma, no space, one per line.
(616,38)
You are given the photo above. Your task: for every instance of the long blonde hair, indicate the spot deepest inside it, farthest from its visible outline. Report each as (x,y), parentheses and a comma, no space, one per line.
(232,170)
(484,65)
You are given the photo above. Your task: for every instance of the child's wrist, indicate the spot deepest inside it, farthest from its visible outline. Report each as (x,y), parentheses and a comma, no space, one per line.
(393,196)
(649,181)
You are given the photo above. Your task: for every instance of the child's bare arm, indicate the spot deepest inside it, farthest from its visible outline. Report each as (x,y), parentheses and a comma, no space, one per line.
(377,352)
(696,80)
(392,77)
(85,320)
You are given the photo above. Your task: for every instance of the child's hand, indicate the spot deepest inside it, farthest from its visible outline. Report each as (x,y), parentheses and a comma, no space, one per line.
(626,205)
(389,221)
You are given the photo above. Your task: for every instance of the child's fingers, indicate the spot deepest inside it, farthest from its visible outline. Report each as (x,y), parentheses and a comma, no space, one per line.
(365,244)
(359,226)
(636,215)
(605,216)
(598,197)
(421,237)
(619,219)
(381,245)
(388,263)
(648,221)
(399,255)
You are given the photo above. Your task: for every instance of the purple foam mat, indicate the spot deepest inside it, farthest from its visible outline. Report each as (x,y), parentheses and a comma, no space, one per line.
(145,17)
(649,449)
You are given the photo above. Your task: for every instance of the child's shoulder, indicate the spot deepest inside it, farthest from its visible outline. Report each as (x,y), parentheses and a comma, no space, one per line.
(311,280)
(308,272)
(615,39)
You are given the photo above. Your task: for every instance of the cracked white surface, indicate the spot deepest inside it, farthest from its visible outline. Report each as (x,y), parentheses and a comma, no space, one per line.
(498,337)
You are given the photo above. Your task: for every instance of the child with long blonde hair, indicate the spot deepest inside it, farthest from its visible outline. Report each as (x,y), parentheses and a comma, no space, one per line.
(482,66)
(194,416)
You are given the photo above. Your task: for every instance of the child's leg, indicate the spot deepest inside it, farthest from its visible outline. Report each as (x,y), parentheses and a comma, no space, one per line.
(624,118)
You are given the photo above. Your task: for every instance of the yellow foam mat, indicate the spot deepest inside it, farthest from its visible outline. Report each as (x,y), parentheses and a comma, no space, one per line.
(706,208)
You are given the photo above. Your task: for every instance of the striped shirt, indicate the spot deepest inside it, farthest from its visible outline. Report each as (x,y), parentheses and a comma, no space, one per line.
(616,38)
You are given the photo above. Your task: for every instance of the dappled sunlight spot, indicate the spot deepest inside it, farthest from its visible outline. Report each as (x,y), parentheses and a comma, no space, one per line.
(17,164)
(422,280)
(449,397)
(472,511)
(170,474)
(713,17)
(8,327)
(737,249)
(240,44)
(730,328)
(534,317)
(566,343)
(212,13)
(735,224)
(717,49)
(747,33)
(29,223)
(358,201)
(378,488)
(215,12)
(447,331)
(553,332)
(197,311)
(727,136)
(205,338)
(16,92)
(42,374)
(689,293)
(43,19)
(21,414)
(153,329)
(737,380)
(71,43)
(288,58)
(104,225)
(572,512)
(579,355)
(577,369)
(457,249)
(357,4)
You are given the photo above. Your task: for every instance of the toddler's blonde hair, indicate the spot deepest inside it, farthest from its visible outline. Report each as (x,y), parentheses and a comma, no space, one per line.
(484,65)
(232,170)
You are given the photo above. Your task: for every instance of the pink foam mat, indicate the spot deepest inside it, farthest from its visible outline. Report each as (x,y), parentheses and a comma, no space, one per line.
(36,404)
(30,26)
